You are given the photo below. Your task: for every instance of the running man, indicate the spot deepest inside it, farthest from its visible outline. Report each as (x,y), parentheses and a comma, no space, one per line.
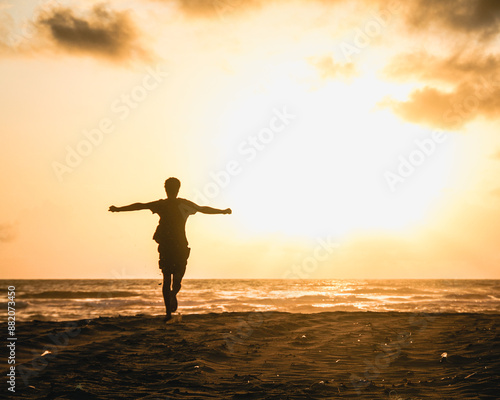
(171,236)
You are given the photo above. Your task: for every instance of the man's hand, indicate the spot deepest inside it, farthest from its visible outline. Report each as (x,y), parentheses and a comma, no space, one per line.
(227,211)
(113,209)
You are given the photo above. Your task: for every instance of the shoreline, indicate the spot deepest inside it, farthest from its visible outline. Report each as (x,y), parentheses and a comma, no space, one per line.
(260,355)
(186,313)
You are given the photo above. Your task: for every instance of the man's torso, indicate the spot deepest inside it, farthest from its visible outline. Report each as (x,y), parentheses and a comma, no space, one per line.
(173,216)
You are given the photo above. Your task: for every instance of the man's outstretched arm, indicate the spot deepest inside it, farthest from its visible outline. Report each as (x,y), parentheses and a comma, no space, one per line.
(210,210)
(131,207)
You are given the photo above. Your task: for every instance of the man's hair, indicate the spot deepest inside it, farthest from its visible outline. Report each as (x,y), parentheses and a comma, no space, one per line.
(172,186)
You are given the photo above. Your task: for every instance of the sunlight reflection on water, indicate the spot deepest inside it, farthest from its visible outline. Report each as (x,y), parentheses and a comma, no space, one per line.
(79,299)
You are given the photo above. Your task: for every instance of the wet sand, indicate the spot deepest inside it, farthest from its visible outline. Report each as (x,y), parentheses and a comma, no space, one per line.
(261,356)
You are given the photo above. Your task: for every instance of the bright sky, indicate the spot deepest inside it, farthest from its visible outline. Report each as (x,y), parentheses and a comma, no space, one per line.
(352,139)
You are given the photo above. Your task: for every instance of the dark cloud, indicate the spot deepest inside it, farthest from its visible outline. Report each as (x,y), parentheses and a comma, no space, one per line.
(469,16)
(7,233)
(329,69)
(482,16)
(101,32)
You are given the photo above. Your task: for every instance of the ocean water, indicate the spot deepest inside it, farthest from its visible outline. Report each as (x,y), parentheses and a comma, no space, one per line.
(61,300)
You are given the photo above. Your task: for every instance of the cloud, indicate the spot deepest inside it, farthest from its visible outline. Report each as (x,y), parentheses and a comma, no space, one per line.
(211,8)
(457,67)
(6,24)
(496,156)
(472,81)
(481,17)
(425,106)
(104,33)
(7,233)
(329,69)
(448,110)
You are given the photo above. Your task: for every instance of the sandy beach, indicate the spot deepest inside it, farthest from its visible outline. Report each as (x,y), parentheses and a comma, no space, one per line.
(261,356)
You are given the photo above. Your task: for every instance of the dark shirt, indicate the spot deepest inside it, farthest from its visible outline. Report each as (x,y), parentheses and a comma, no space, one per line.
(173,216)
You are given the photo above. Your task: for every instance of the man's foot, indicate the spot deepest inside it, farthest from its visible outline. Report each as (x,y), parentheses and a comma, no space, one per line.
(167,318)
(174,320)
(173,302)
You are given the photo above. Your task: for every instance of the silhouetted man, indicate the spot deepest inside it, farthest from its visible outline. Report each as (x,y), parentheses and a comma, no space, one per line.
(171,236)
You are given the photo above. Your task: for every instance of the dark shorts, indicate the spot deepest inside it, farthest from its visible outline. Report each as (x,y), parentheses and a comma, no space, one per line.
(173,258)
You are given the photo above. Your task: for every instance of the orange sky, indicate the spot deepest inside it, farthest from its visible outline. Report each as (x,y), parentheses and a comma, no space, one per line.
(352,139)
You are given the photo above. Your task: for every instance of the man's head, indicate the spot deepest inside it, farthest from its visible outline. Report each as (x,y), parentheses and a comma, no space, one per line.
(172,186)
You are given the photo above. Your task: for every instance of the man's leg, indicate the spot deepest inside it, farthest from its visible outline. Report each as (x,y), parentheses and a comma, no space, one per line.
(166,294)
(176,286)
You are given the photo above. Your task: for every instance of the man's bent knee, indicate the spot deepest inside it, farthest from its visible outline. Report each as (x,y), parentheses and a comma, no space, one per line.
(176,286)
